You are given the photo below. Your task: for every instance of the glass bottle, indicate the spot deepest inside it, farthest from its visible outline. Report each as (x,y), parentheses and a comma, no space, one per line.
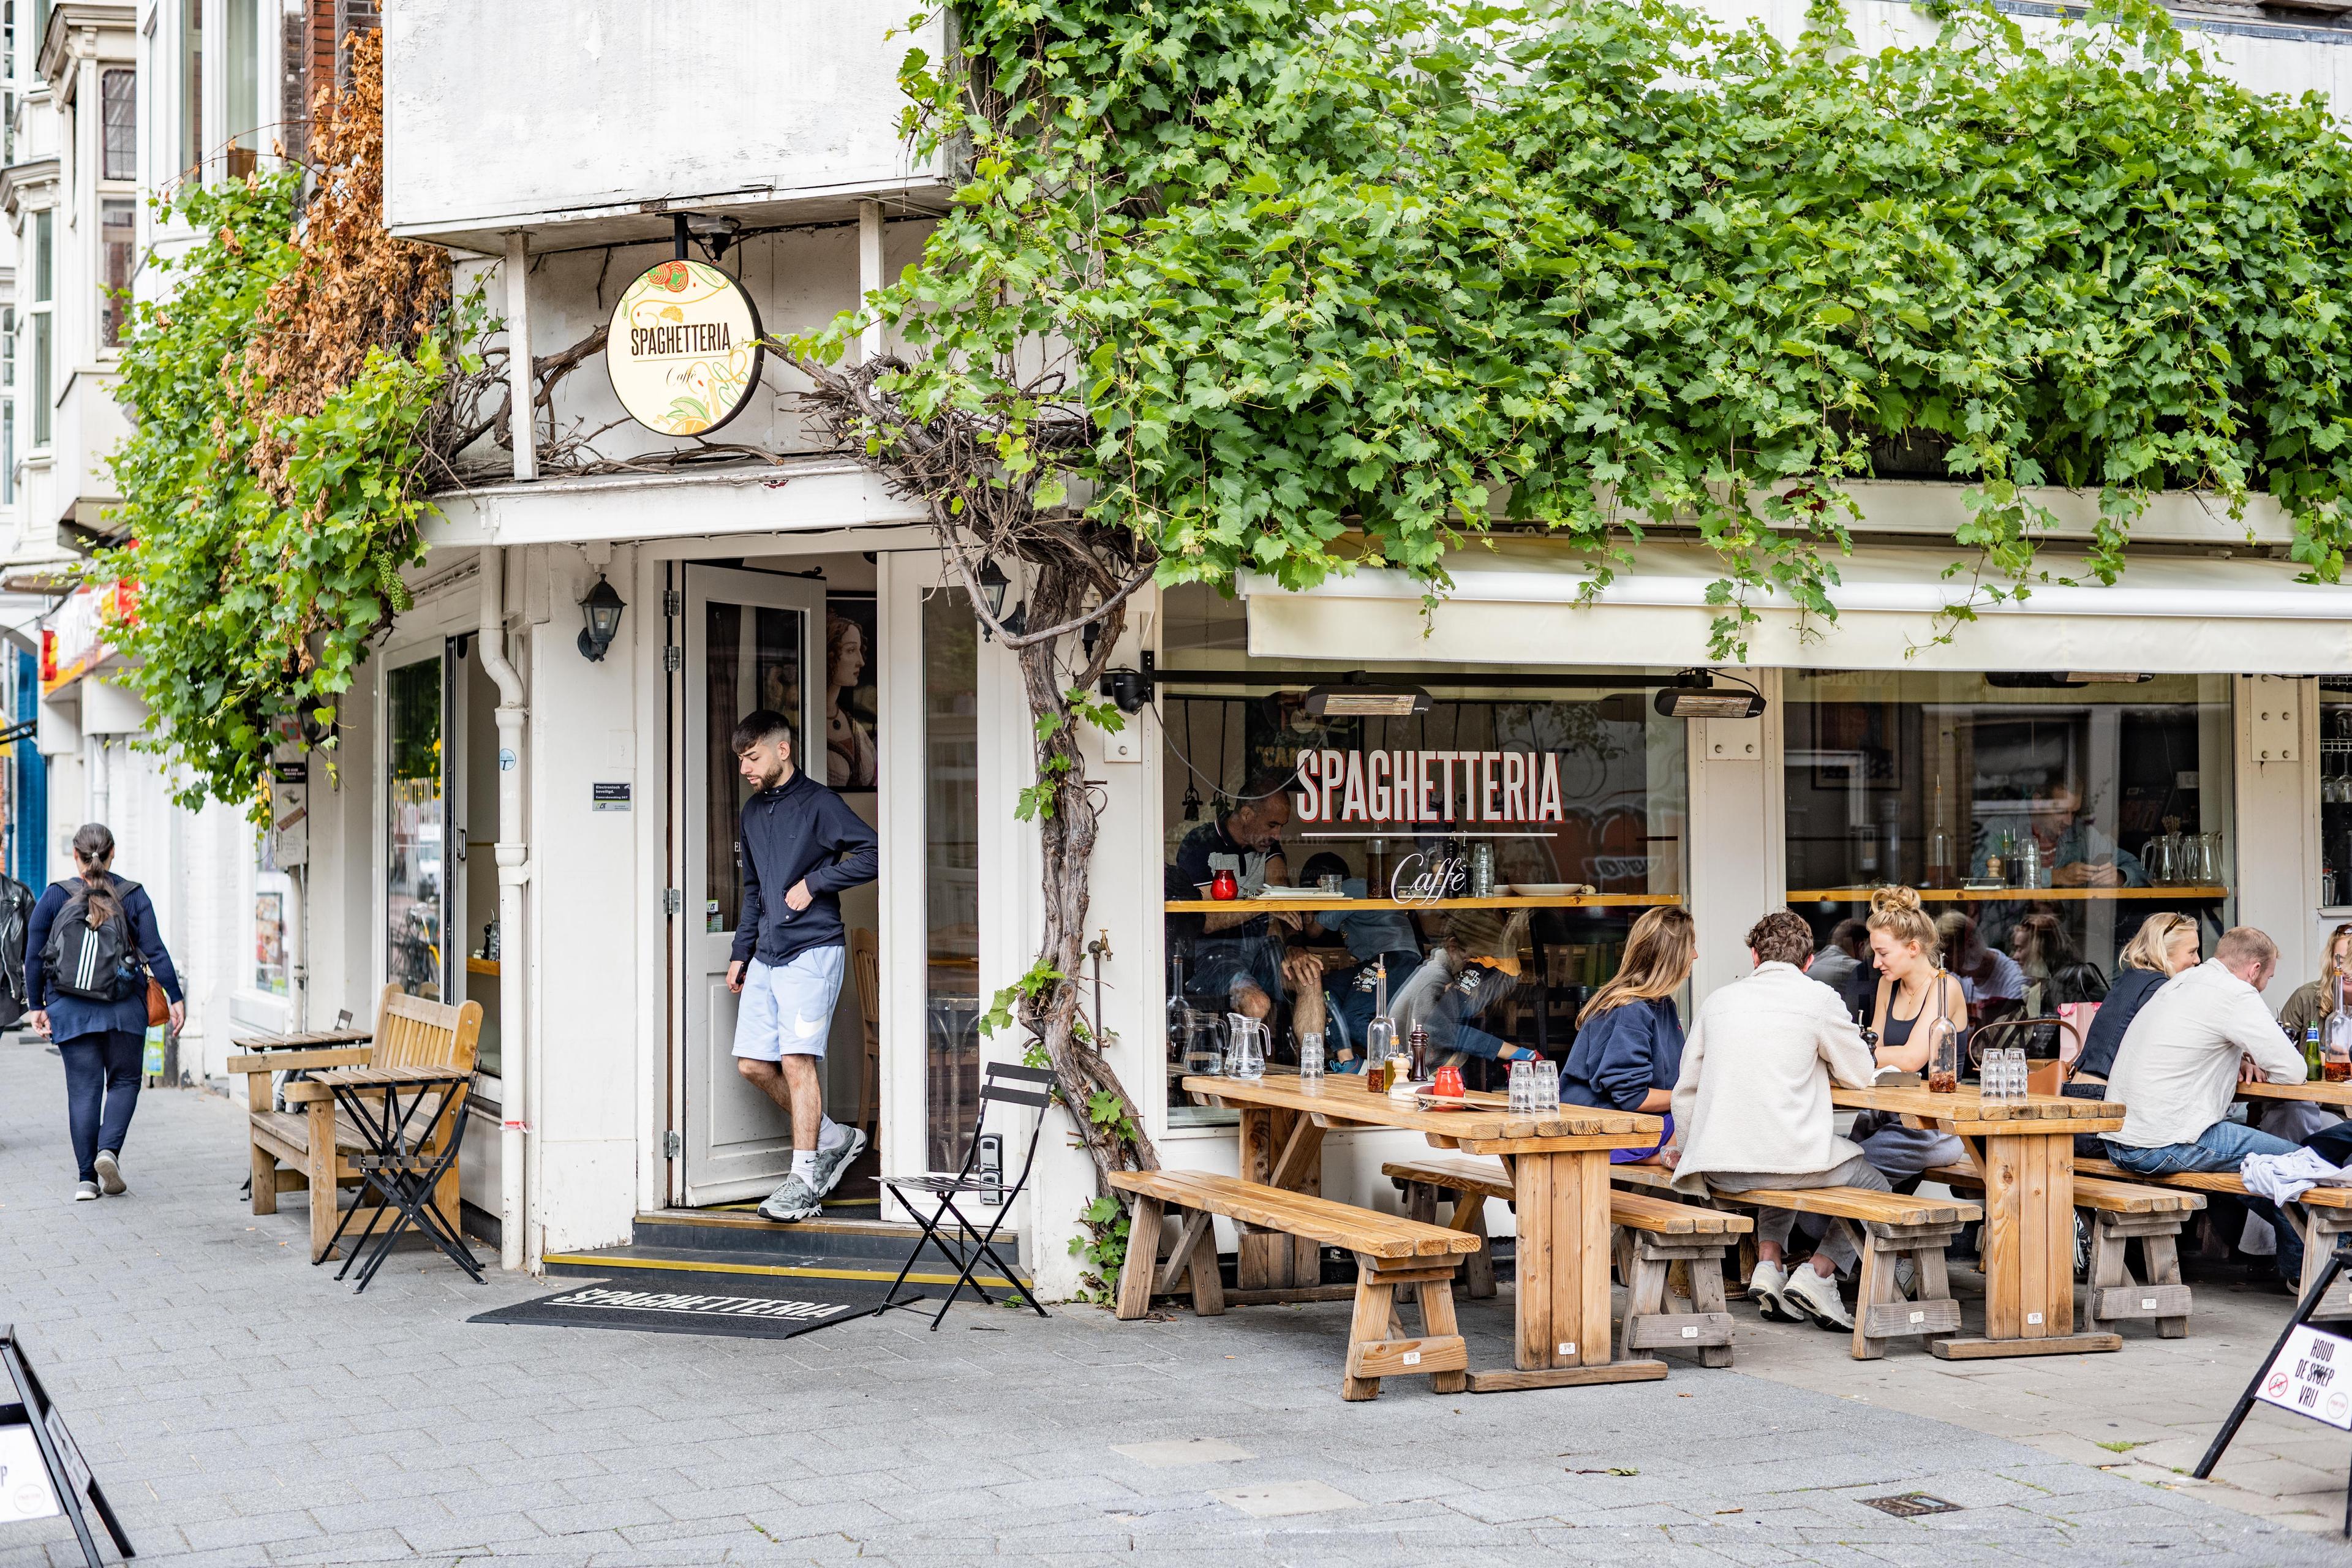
(2336,1041)
(1939,846)
(1379,1035)
(1943,1057)
(1419,1039)
(2310,1073)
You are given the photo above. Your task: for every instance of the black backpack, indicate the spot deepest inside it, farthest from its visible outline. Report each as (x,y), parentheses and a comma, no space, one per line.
(99,962)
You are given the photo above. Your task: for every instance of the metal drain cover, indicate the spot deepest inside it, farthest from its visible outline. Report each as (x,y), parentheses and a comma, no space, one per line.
(1910,1505)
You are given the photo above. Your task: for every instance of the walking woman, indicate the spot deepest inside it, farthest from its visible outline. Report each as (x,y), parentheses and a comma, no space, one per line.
(97,1020)
(1628,1052)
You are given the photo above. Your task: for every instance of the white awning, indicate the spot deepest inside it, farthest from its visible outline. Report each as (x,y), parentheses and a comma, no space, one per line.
(1517,603)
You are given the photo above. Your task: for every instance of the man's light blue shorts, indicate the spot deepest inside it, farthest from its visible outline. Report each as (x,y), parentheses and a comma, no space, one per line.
(787,1008)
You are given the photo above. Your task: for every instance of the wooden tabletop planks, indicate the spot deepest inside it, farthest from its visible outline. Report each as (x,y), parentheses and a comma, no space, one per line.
(1345,1098)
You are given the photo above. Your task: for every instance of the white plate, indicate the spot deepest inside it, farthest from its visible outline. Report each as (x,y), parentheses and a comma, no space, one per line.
(1547,889)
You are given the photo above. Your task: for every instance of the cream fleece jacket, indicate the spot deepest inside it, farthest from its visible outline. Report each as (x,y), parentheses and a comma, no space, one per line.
(1754,1094)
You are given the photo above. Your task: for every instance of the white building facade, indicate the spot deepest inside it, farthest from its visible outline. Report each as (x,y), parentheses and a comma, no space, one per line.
(590,911)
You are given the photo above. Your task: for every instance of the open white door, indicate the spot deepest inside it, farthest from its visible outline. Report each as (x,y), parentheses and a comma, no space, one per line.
(753,639)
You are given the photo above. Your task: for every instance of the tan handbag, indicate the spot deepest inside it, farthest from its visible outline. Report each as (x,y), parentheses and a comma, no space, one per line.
(159,1007)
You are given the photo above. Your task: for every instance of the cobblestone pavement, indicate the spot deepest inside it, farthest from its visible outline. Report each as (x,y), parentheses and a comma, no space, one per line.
(244,1410)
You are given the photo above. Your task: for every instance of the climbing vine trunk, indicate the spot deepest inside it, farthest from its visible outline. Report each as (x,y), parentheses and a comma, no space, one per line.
(1068,821)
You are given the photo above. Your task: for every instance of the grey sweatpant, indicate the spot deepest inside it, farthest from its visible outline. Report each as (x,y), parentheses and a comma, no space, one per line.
(1774,1225)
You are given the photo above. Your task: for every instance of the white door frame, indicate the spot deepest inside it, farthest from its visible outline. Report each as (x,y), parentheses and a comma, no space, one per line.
(747,1167)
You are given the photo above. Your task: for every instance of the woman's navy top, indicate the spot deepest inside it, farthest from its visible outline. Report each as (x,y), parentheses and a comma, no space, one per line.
(2132,988)
(1624,1054)
(71,1018)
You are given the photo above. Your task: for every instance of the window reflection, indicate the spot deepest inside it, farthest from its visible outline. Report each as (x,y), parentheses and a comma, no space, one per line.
(416,868)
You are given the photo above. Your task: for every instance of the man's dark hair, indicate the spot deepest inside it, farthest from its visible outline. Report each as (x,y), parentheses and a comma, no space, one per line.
(757,726)
(1265,784)
(1781,937)
(1850,938)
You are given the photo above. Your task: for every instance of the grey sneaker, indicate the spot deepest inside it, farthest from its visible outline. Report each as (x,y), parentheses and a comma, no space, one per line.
(86,1192)
(110,1173)
(794,1200)
(833,1163)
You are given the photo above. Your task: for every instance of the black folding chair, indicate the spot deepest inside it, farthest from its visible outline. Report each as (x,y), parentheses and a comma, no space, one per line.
(1006,1085)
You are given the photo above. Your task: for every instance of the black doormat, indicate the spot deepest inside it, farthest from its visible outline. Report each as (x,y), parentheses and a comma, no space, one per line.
(729,1306)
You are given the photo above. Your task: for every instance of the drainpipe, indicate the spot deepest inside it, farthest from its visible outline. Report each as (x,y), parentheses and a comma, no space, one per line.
(514,870)
(514,866)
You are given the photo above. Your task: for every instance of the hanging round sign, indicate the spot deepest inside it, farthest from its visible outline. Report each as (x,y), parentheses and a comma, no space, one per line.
(684,350)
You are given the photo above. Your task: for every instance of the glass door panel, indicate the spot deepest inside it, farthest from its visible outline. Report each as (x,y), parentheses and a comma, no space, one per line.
(416,838)
(951,877)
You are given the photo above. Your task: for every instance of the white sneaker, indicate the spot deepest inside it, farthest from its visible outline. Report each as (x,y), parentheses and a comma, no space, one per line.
(1818,1299)
(86,1192)
(109,1174)
(1764,1287)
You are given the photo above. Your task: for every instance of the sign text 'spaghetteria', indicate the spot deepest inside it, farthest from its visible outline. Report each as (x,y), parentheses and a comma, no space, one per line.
(1428,786)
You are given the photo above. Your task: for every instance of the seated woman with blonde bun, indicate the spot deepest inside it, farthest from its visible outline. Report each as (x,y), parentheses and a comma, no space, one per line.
(1917,999)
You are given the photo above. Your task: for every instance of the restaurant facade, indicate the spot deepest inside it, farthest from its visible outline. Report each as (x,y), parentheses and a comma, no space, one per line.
(526,799)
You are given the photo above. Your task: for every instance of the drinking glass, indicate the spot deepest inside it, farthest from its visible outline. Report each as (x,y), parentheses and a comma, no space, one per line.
(1310,1056)
(1523,1088)
(1546,1084)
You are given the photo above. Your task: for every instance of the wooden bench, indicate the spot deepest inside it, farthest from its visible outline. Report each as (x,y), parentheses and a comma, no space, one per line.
(2326,1215)
(1891,1225)
(1390,1251)
(2121,1211)
(1653,1235)
(313,1143)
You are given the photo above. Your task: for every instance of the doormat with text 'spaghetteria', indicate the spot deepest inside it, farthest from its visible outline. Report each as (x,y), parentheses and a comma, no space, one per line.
(729,1306)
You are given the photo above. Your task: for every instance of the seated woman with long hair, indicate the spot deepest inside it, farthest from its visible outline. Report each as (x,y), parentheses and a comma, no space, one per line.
(1918,1000)
(1629,1038)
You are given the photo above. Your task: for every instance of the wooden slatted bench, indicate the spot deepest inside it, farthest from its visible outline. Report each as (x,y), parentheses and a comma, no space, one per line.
(1655,1235)
(313,1142)
(1891,1226)
(2121,1211)
(1390,1251)
(2326,1215)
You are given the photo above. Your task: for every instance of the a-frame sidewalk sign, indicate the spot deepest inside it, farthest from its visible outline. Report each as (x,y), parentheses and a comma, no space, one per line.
(42,1473)
(2307,1373)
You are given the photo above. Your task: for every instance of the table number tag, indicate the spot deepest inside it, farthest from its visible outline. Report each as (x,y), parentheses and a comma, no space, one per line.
(1413,1358)
(1567,1347)
(2032,1317)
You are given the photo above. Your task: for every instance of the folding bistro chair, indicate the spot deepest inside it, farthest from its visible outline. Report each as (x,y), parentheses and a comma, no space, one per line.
(1008,1085)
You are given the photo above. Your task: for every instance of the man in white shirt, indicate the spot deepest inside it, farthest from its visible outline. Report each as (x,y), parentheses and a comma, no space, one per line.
(2177,1074)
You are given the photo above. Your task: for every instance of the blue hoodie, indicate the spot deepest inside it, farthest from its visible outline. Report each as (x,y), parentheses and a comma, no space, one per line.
(798,831)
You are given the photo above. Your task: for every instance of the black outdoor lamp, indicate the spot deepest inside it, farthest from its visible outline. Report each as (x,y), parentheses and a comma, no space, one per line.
(603,607)
(993,584)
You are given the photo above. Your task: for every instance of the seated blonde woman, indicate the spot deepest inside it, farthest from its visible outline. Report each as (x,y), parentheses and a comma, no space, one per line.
(1918,1000)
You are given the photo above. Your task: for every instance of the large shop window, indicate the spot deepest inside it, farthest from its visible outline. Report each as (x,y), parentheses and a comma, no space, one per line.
(2335,792)
(2042,817)
(1490,853)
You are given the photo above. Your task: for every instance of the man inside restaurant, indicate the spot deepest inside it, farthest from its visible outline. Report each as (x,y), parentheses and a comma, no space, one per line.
(2177,1070)
(1237,958)
(1751,1108)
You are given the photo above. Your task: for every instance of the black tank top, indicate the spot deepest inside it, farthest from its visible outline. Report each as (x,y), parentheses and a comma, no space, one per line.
(1898,1030)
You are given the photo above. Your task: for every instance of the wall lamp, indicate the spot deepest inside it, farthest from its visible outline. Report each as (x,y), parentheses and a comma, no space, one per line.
(603,608)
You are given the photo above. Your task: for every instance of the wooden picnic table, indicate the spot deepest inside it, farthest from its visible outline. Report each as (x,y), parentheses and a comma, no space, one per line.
(315,1037)
(1559,1168)
(2335,1096)
(2024,1149)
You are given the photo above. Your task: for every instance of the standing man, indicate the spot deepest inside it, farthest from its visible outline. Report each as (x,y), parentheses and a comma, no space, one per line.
(803,844)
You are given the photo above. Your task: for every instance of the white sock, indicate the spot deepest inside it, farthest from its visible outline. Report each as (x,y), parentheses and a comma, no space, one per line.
(805,1165)
(832,1135)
